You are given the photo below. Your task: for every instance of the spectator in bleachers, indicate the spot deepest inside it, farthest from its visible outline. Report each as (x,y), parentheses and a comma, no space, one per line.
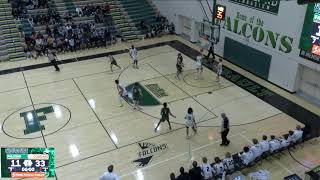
(256,149)
(79,11)
(228,162)
(183,175)
(274,144)
(264,144)
(246,156)
(218,167)
(195,172)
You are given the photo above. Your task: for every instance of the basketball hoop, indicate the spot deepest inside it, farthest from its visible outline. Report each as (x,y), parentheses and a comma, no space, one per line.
(210,32)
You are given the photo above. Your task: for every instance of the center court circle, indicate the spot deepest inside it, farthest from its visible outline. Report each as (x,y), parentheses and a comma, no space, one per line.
(25,123)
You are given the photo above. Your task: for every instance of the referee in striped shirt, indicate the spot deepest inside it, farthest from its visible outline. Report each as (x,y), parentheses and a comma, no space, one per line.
(224,130)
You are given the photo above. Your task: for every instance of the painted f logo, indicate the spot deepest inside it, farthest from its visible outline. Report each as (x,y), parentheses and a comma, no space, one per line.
(33,118)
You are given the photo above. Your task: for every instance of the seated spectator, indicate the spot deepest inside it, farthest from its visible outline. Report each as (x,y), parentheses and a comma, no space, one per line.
(79,11)
(256,149)
(172,176)
(228,162)
(195,172)
(274,143)
(183,175)
(206,170)
(264,144)
(218,167)
(246,156)
(298,133)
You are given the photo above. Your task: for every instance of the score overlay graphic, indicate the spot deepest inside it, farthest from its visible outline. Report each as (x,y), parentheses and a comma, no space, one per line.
(27,162)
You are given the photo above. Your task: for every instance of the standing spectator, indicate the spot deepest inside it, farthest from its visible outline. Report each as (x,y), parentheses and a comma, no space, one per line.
(172,176)
(195,172)
(183,175)
(224,130)
(52,58)
(110,175)
(72,44)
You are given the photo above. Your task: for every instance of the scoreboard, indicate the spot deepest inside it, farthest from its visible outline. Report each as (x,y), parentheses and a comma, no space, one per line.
(27,162)
(310,37)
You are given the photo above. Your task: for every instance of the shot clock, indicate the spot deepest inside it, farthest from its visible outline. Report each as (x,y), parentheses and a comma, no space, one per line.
(27,162)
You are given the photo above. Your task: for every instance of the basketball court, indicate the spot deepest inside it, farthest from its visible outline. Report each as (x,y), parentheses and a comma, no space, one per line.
(79,112)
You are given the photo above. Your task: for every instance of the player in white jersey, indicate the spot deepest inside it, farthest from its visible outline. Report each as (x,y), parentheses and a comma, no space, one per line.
(284,143)
(133,54)
(228,162)
(206,170)
(246,156)
(274,143)
(190,122)
(199,66)
(218,167)
(219,70)
(256,149)
(298,133)
(265,146)
(122,92)
(110,175)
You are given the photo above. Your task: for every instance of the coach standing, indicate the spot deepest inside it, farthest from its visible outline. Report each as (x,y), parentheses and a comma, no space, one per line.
(224,130)
(52,58)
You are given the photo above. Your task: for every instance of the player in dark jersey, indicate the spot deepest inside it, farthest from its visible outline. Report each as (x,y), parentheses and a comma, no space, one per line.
(165,112)
(113,62)
(179,65)
(136,95)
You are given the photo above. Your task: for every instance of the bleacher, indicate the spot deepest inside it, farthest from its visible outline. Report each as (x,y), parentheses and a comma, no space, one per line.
(10,44)
(139,10)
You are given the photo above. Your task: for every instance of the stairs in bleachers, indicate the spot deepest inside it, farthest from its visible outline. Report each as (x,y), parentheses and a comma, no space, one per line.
(139,10)
(11,48)
(122,22)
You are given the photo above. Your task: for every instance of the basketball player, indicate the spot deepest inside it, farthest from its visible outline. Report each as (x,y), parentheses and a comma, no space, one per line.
(199,65)
(219,70)
(207,170)
(113,62)
(228,162)
(179,65)
(165,112)
(190,122)
(133,54)
(218,166)
(136,95)
(122,92)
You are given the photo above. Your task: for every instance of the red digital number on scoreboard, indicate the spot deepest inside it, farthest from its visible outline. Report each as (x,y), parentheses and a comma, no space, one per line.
(220,12)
